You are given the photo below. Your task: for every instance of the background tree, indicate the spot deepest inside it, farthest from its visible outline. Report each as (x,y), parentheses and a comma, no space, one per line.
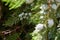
(29,19)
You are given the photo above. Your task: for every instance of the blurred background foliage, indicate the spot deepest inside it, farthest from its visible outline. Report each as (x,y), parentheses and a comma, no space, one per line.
(30,19)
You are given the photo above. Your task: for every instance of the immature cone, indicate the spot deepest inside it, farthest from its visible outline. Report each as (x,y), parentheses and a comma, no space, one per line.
(54,6)
(50,22)
(29,1)
(39,27)
(57,0)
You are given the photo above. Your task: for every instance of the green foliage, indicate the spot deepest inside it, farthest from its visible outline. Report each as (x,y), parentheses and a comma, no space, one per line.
(37,4)
(12,37)
(12,19)
(35,18)
(13,4)
(39,15)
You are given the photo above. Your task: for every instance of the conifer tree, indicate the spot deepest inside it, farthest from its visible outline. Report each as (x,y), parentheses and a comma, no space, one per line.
(30,19)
